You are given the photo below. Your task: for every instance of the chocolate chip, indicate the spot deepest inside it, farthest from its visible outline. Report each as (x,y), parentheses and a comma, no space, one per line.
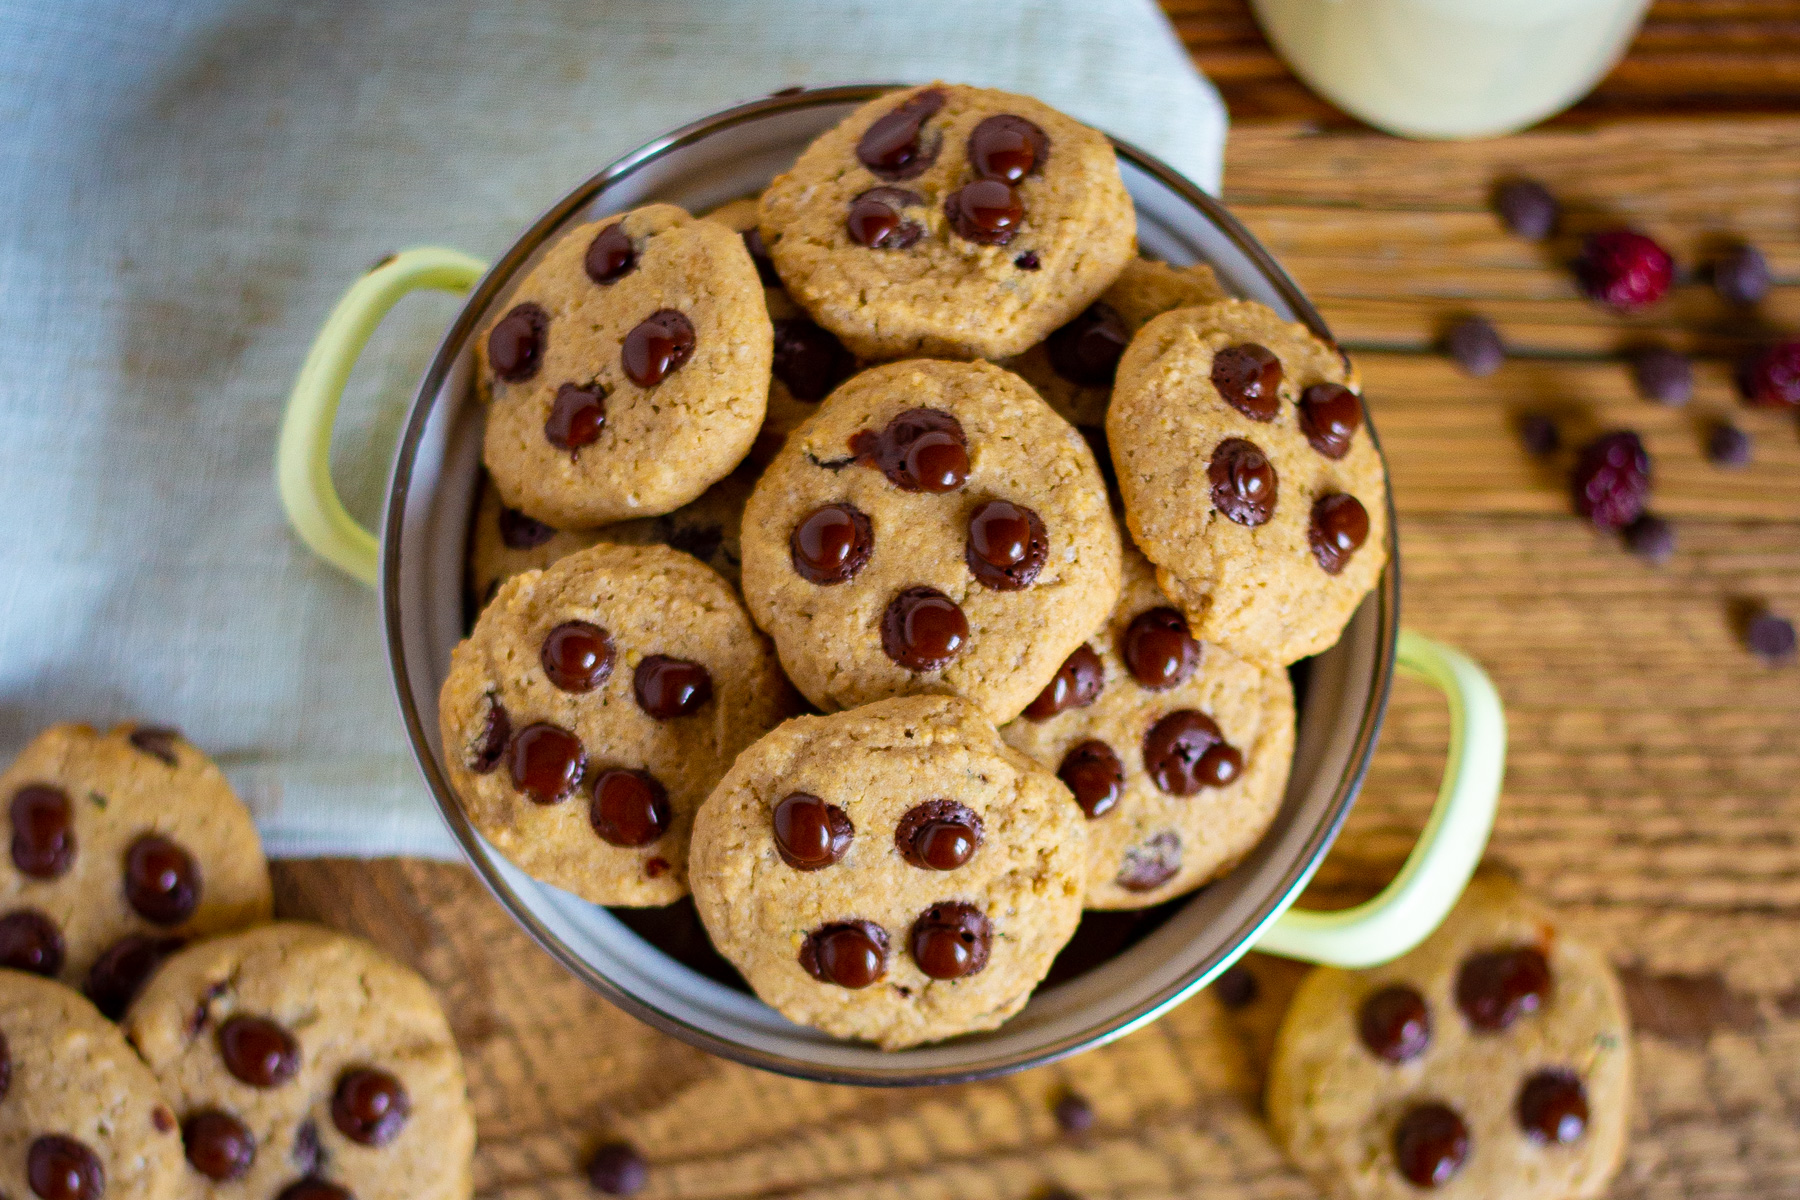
(312,1188)
(61,1168)
(369,1106)
(218,1145)
(1329,416)
(158,743)
(30,941)
(1149,866)
(1527,207)
(875,219)
(5,1067)
(610,256)
(657,347)
(1248,377)
(307,1154)
(1476,346)
(1651,538)
(162,880)
(1663,375)
(1186,751)
(938,835)
(810,834)
(1740,275)
(258,1051)
(831,544)
(1770,637)
(759,255)
(1394,1024)
(1087,350)
(1539,435)
(1007,148)
(985,211)
(577,656)
(1158,650)
(851,954)
(1074,1114)
(43,831)
(1076,684)
(1430,1144)
(1552,1107)
(950,940)
(1496,988)
(1006,545)
(516,343)
(1340,525)
(1028,261)
(1243,482)
(1727,445)
(809,360)
(545,762)
(617,1169)
(520,532)
(162,1119)
(483,754)
(923,629)
(1094,774)
(577,416)
(701,541)
(1237,987)
(920,450)
(123,968)
(668,688)
(893,146)
(629,808)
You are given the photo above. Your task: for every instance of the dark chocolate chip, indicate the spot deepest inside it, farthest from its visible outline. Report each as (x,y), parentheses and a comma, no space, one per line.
(1539,435)
(1243,482)
(1007,148)
(1770,637)
(1727,445)
(1158,650)
(950,940)
(484,753)
(920,450)
(759,255)
(1329,416)
(985,211)
(923,629)
(809,360)
(307,1153)
(158,743)
(162,880)
(1552,1107)
(810,834)
(1087,350)
(218,1145)
(831,544)
(1028,261)
(1149,866)
(61,1168)
(668,688)
(1094,774)
(313,1188)
(938,835)
(617,1169)
(123,968)
(259,1051)
(1663,375)
(610,256)
(545,762)
(1074,1114)
(520,532)
(5,1067)
(1740,275)
(1186,751)
(369,1106)
(30,941)
(1340,526)
(577,416)
(1006,546)
(1476,346)
(43,831)
(657,347)
(1527,207)
(1496,988)
(1248,377)
(894,146)
(851,954)
(1430,1144)
(577,656)
(1394,1024)
(876,219)
(516,343)
(629,808)
(1651,538)
(1076,684)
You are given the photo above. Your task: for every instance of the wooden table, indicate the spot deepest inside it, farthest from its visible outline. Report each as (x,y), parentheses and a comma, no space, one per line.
(1653,792)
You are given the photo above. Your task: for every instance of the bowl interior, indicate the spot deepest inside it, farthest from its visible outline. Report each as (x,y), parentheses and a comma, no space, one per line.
(430,506)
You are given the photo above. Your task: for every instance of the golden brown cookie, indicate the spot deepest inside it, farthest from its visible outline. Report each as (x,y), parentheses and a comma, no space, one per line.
(951,221)
(505,542)
(895,873)
(1249,477)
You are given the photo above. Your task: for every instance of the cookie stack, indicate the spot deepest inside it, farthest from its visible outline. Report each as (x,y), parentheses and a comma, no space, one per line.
(1034,526)
(249,1058)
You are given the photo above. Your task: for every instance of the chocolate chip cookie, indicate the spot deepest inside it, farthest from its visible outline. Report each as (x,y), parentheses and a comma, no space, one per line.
(629,369)
(1494,1060)
(125,845)
(895,873)
(933,528)
(949,221)
(505,542)
(305,1064)
(1249,477)
(81,1117)
(1073,368)
(592,709)
(1176,750)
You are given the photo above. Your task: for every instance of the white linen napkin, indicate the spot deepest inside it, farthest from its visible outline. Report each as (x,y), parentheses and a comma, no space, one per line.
(186,188)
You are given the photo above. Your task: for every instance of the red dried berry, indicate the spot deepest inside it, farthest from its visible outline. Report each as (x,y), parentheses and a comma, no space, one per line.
(1770,377)
(1624,269)
(1612,479)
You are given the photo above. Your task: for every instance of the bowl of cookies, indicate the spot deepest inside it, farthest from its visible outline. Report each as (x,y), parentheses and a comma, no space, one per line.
(891,585)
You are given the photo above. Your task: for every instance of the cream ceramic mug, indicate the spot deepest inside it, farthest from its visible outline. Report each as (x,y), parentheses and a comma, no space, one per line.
(1451,68)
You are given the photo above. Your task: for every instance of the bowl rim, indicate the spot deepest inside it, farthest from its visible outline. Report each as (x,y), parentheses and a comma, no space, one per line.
(499,275)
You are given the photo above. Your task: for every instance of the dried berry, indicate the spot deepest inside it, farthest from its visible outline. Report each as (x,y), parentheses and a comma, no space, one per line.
(1624,269)
(1770,637)
(1476,346)
(1727,445)
(1770,376)
(1650,538)
(1527,207)
(1611,479)
(1741,275)
(1663,375)
(1539,435)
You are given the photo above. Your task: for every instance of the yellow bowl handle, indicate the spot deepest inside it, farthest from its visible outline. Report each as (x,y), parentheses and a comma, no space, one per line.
(1455,836)
(303,456)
